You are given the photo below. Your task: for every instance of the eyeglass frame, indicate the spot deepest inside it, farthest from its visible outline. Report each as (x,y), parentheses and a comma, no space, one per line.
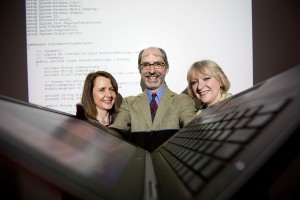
(164,56)
(156,65)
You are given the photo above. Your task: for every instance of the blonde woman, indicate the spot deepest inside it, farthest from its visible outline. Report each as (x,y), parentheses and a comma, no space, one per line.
(208,83)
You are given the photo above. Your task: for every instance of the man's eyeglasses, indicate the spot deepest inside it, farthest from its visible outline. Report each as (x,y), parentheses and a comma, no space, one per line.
(156,65)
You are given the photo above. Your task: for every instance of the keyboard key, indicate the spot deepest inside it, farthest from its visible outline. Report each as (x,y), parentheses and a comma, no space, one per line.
(215,134)
(191,161)
(224,135)
(201,163)
(273,107)
(204,146)
(240,114)
(188,156)
(212,147)
(196,183)
(231,124)
(242,122)
(227,150)
(242,135)
(260,120)
(188,176)
(211,168)
(252,111)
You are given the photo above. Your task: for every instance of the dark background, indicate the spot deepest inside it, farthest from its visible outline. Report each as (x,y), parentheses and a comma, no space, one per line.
(276,42)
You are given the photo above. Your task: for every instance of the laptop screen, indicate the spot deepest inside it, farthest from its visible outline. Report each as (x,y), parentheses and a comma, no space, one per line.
(58,142)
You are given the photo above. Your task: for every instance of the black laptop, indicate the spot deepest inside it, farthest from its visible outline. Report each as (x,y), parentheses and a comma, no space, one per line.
(246,147)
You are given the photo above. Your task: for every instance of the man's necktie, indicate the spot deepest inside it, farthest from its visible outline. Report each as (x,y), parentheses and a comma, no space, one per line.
(153,106)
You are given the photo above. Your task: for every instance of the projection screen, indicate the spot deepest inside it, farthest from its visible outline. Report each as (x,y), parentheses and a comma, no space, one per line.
(67,39)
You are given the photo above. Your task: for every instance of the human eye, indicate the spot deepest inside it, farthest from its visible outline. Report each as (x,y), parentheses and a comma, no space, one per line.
(193,82)
(101,90)
(159,64)
(206,78)
(145,64)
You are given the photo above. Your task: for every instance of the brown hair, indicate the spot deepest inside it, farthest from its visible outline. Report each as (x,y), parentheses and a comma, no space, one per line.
(87,94)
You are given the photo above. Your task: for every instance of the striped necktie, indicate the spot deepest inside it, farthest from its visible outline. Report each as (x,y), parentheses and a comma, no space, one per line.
(153,106)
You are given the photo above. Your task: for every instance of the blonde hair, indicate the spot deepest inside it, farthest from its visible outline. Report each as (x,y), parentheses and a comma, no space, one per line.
(210,68)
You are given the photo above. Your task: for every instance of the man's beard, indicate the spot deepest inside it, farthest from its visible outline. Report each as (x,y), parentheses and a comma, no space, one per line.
(153,85)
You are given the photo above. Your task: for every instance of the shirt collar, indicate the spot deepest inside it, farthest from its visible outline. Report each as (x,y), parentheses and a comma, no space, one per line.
(159,93)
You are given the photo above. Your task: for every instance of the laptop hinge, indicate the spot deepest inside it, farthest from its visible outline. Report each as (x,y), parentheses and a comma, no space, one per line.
(150,180)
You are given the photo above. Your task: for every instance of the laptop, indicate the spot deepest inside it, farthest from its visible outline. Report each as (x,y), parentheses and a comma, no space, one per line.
(244,147)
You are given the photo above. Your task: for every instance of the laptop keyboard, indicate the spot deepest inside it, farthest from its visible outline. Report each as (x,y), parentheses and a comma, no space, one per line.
(197,152)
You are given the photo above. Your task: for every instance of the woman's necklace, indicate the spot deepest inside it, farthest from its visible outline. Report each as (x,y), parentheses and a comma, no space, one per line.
(102,121)
(219,99)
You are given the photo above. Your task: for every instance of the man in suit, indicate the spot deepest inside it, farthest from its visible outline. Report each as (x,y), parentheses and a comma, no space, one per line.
(171,111)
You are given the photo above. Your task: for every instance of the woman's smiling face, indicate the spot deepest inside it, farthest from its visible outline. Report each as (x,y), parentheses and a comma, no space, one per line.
(206,88)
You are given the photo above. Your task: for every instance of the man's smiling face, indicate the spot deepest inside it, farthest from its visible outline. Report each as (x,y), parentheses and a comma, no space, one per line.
(153,76)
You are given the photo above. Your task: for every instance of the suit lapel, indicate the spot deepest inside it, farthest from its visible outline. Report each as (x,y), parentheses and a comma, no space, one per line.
(145,109)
